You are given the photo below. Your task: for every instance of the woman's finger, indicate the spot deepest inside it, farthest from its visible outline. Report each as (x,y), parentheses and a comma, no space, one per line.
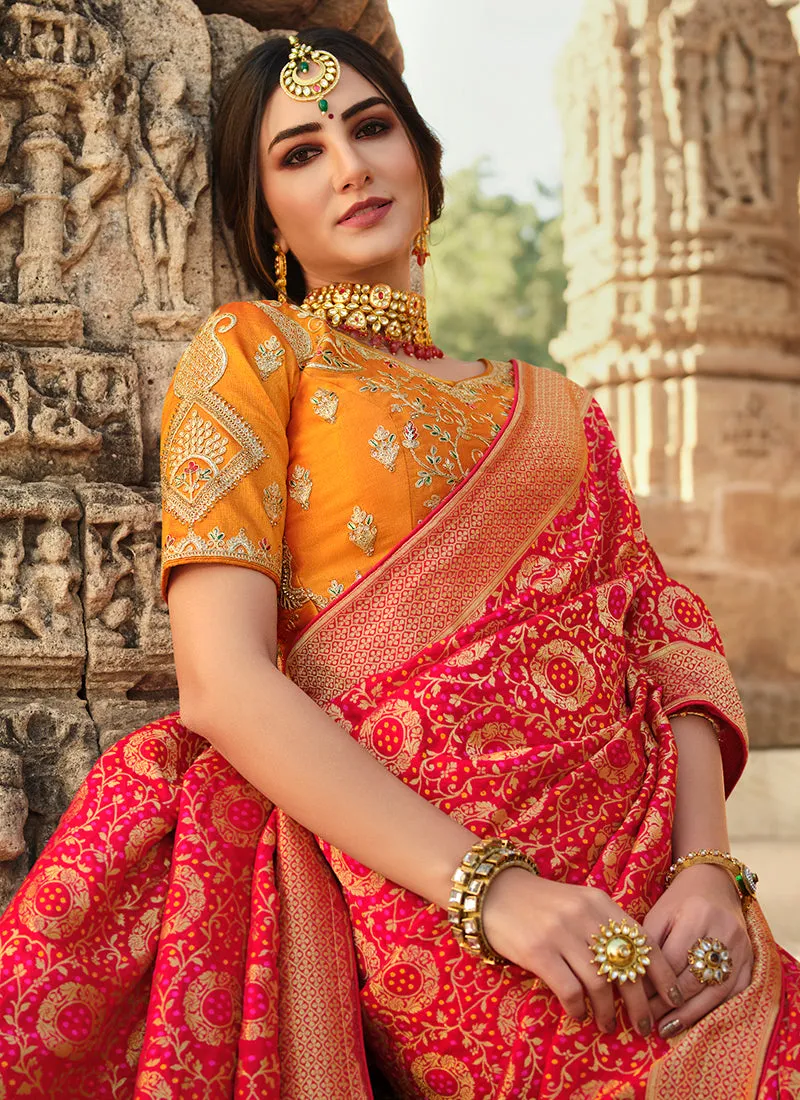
(664,978)
(558,977)
(709,998)
(598,989)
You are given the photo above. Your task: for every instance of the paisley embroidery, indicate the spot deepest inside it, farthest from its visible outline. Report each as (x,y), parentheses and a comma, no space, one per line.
(298,339)
(300,485)
(292,596)
(194,545)
(273,502)
(269,357)
(362,531)
(384,448)
(208,446)
(325,403)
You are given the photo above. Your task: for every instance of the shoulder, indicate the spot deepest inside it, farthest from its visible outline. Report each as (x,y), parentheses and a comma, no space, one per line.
(551,385)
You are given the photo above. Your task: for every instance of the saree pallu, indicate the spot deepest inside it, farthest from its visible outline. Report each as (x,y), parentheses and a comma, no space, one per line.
(515,660)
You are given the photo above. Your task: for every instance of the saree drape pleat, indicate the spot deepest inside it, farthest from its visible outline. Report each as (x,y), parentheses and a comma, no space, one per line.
(515,660)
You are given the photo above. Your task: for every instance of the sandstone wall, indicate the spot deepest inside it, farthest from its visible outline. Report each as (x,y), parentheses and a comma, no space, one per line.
(682,238)
(109,259)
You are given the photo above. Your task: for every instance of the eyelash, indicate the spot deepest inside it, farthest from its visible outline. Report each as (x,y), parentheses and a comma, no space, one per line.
(288,162)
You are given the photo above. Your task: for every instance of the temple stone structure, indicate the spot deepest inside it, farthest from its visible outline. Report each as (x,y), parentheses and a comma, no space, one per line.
(110,258)
(682,238)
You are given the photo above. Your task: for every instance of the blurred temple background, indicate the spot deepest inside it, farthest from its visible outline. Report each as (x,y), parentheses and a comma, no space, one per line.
(622,204)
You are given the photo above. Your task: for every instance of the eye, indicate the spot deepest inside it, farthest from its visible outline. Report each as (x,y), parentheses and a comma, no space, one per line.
(298,156)
(373,122)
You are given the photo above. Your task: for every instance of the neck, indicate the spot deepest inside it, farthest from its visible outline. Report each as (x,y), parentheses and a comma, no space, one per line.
(395,273)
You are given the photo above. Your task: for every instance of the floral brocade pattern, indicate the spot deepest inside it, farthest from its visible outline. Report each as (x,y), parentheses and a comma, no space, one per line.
(180,938)
(348,451)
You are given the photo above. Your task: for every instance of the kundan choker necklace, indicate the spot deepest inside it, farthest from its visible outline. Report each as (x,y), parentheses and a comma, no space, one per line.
(394,319)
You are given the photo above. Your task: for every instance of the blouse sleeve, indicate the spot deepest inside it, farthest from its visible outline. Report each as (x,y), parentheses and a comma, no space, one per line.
(224,451)
(670,634)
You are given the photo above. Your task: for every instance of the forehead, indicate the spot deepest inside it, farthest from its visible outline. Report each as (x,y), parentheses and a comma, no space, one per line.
(282,111)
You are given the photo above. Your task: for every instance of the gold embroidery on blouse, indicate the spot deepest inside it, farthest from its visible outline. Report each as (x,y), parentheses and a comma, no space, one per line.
(194,545)
(335,588)
(273,502)
(410,435)
(292,596)
(300,485)
(295,335)
(208,447)
(384,448)
(326,404)
(269,357)
(362,531)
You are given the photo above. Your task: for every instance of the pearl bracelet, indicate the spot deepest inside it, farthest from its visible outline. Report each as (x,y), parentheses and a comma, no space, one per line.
(482,863)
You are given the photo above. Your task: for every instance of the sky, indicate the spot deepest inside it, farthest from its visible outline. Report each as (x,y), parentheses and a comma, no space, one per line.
(482,74)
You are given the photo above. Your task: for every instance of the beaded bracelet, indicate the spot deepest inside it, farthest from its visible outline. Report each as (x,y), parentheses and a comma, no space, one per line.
(743,877)
(485,859)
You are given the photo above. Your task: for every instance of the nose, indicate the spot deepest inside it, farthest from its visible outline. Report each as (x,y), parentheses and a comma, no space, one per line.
(350,171)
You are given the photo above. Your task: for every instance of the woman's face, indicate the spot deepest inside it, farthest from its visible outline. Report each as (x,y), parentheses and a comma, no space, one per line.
(315,167)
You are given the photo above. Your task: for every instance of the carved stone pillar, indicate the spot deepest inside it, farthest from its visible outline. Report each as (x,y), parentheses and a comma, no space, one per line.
(682,237)
(109,260)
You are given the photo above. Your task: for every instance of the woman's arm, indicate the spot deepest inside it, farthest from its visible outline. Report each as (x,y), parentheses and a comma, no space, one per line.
(703,900)
(224,637)
(232,693)
(700,820)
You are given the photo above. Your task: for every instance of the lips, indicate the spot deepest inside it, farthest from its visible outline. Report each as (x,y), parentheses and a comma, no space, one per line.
(367,204)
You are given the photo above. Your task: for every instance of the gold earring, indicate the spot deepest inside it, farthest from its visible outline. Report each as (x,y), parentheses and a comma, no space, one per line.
(420,247)
(280,273)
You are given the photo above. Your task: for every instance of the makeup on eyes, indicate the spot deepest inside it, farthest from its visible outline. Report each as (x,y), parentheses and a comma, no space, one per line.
(287,162)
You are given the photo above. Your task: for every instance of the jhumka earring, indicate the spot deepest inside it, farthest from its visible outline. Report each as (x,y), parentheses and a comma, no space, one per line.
(280,273)
(305,84)
(420,247)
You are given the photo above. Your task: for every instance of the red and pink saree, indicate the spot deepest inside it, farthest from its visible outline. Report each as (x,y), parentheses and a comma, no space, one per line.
(515,659)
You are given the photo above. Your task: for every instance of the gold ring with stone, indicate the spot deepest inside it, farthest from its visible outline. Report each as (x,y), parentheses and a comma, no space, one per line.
(620,951)
(710,961)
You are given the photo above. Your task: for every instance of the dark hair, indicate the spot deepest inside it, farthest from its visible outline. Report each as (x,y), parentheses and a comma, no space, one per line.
(235,144)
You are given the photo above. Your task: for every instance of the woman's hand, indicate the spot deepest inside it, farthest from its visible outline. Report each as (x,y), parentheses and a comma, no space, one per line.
(702,902)
(546,927)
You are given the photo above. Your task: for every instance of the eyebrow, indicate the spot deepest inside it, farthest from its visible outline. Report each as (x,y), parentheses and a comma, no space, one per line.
(313,127)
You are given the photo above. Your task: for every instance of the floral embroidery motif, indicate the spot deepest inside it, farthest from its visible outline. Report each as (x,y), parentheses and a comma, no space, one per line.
(300,485)
(295,335)
(335,588)
(362,531)
(197,438)
(410,435)
(273,502)
(207,447)
(240,547)
(269,357)
(326,404)
(384,448)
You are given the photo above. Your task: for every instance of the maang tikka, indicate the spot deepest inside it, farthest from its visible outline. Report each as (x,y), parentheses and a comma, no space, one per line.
(309,74)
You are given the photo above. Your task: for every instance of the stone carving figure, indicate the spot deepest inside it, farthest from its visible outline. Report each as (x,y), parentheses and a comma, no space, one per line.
(49,582)
(13,805)
(9,192)
(103,157)
(170,172)
(734,139)
(105,614)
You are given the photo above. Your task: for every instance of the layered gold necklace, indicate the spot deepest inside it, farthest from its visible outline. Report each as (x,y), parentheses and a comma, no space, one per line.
(394,319)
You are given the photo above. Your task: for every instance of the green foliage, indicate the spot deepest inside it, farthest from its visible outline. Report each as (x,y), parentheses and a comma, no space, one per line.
(495,282)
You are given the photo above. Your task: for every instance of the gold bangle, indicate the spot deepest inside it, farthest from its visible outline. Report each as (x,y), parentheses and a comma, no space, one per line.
(482,863)
(699,714)
(744,879)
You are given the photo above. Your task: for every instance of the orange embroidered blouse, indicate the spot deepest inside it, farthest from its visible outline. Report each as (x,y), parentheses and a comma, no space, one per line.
(290,448)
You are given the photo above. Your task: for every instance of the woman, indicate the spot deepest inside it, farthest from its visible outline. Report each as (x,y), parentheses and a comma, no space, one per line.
(449,626)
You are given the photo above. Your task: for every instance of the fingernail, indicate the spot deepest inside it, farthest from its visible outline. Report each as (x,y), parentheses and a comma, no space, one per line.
(666,1031)
(645,1026)
(675,996)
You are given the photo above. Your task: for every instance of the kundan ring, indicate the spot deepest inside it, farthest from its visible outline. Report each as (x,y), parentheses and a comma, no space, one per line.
(620,951)
(710,961)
